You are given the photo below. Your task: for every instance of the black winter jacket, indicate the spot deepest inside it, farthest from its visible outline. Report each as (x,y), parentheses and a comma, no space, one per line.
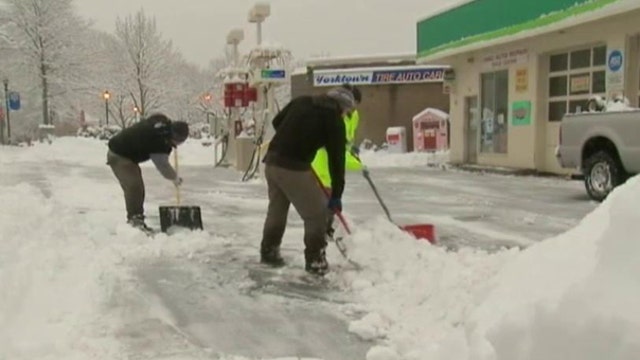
(139,141)
(305,125)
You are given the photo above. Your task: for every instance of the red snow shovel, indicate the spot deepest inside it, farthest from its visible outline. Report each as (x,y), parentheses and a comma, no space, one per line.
(419,231)
(339,244)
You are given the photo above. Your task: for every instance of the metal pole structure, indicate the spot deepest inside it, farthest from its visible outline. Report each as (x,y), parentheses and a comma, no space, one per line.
(259,36)
(106,95)
(8,110)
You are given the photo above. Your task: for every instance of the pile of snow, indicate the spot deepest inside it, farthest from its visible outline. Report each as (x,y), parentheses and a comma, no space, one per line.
(615,106)
(413,295)
(63,274)
(573,296)
(384,158)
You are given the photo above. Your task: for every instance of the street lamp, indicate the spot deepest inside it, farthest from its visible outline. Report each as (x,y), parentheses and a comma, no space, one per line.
(234,38)
(106,95)
(5,81)
(258,13)
(136,110)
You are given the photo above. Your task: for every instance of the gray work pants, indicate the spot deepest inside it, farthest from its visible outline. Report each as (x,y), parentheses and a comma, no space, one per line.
(301,189)
(129,176)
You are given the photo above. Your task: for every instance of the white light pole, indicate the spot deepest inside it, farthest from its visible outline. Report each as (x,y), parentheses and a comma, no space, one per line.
(234,38)
(257,15)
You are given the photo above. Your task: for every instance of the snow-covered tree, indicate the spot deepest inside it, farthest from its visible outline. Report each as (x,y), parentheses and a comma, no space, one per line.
(48,35)
(148,58)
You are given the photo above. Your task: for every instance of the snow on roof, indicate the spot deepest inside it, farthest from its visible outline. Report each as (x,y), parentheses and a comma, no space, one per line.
(437,112)
(374,58)
(617,8)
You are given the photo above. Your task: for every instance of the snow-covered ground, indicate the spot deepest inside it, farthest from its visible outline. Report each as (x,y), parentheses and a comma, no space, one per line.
(76,283)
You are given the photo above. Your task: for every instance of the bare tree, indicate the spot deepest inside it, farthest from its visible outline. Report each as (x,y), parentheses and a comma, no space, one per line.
(48,36)
(148,57)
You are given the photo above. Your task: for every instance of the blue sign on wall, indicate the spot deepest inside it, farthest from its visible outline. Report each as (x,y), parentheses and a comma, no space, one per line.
(14,100)
(615,61)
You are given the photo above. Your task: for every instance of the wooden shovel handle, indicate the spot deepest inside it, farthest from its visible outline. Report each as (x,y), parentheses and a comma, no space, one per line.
(175,161)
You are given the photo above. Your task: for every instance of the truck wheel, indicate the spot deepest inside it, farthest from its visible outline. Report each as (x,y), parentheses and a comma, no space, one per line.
(602,173)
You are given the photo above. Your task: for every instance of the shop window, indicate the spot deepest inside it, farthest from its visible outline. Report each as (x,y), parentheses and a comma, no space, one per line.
(559,62)
(495,112)
(575,76)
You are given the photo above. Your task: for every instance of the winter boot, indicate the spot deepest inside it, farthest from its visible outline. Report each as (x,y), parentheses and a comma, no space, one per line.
(271,256)
(317,264)
(137,221)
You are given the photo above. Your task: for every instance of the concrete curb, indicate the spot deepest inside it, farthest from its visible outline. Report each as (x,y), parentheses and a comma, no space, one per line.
(512,172)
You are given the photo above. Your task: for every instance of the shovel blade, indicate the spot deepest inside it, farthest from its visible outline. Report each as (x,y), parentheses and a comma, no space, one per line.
(421,231)
(189,217)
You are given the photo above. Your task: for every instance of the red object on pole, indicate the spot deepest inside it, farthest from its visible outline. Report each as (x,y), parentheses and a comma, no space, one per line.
(250,94)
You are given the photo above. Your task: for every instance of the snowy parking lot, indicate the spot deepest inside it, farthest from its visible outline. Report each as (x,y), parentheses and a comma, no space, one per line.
(77,283)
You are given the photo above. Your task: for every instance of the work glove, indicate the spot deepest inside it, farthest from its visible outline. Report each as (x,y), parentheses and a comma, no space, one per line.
(335,204)
(177,181)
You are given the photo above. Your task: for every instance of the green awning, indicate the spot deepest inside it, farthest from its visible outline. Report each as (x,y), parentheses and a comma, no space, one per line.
(484,20)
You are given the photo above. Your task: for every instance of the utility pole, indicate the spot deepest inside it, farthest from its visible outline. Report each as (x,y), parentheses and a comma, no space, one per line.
(7,109)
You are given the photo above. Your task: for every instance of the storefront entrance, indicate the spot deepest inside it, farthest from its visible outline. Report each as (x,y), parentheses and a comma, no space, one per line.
(495,112)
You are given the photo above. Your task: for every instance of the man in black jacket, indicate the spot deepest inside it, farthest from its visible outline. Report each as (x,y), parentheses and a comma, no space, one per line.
(305,125)
(152,138)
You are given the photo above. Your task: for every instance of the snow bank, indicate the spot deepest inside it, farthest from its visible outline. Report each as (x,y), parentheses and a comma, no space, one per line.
(63,274)
(383,158)
(412,294)
(573,296)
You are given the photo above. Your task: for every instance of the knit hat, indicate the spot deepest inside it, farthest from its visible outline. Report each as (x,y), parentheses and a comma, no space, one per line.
(344,97)
(179,131)
(357,95)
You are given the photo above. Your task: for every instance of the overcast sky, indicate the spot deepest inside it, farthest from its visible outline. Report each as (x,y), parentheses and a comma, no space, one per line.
(306,27)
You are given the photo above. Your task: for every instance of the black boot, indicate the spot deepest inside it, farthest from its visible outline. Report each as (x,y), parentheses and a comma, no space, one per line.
(137,221)
(271,256)
(317,264)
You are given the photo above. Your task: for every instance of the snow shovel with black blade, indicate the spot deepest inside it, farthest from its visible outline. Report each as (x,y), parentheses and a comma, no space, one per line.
(189,217)
(419,231)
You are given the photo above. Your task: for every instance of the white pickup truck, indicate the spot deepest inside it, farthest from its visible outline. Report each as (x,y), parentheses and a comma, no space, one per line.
(603,146)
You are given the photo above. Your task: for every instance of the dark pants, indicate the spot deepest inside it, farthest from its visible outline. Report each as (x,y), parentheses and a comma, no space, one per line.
(301,189)
(129,175)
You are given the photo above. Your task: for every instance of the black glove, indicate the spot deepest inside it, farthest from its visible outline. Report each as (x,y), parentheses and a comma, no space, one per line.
(335,204)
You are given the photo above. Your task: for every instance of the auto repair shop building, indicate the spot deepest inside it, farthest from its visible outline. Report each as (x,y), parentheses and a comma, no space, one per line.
(394,89)
(521,65)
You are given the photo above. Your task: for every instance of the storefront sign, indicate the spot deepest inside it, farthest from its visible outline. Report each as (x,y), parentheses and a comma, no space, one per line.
(379,76)
(333,79)
(615,71)
(522,80)
(521,113)
(580,84)
(506,59)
